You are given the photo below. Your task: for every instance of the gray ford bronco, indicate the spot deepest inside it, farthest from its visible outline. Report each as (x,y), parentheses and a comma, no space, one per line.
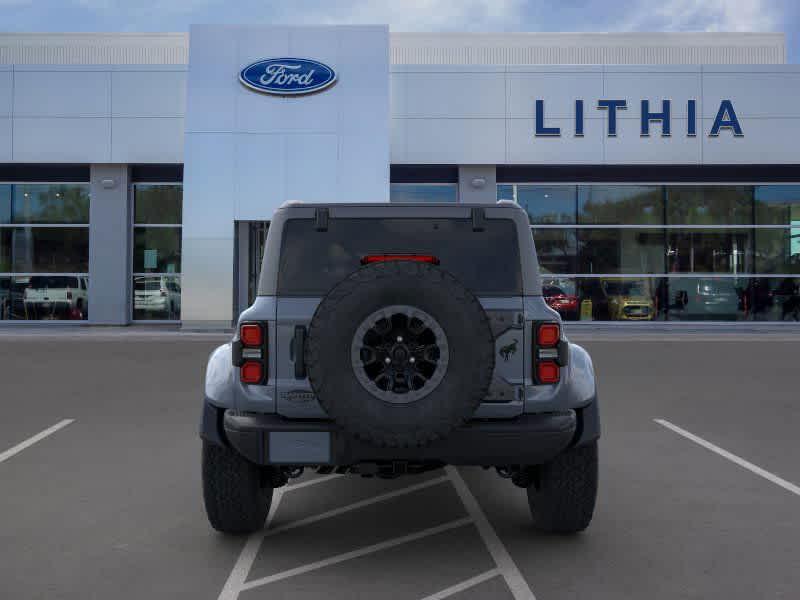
(389,340)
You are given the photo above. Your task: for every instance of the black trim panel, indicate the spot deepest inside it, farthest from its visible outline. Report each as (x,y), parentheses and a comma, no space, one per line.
(167,173)
(648,173)
(423,174)
(55,173)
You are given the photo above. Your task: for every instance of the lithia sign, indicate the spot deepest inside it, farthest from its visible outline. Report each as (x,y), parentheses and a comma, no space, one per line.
(725,120)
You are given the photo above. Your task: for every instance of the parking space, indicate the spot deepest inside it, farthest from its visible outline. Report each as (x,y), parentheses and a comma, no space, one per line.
(109,505)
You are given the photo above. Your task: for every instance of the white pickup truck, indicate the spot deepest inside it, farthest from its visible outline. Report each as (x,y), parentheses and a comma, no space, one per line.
(56,296)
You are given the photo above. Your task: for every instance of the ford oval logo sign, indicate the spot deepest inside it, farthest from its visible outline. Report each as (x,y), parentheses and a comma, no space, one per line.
(287,76)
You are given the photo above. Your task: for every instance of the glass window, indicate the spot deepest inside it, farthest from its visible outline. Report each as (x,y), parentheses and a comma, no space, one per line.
(621,251)
(487,262)
(158,204)
(156,297)
(709,250)
(157,214)
(157,250)
(622,298)
(548,204)
(778,250)
(777,205)
(44,249)
(45,203)
(620,204)
(775,299)
(423,192)
(505,192)
(709,205)
(556,249)
(708,299)
(562,296)
(44,264)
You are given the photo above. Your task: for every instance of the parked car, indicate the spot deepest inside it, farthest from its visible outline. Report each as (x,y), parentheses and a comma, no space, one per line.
(626,299)
(389,340)
(706,299)
(156,295)
(56,297)
(560,296)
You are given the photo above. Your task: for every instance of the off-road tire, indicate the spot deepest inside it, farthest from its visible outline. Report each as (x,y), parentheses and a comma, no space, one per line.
(563,492)
(454,399)
(236,492)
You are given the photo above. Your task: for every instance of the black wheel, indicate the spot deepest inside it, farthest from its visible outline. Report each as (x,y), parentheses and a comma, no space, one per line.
(237,493)
(563,492)
(400,353)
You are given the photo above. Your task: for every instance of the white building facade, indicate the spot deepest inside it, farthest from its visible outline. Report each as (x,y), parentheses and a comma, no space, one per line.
(138,173)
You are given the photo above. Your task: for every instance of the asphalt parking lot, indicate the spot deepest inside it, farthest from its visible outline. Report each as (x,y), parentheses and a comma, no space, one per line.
(100,486)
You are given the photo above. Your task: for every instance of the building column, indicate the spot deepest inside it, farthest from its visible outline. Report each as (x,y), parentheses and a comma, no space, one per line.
(477,184)
(109,245)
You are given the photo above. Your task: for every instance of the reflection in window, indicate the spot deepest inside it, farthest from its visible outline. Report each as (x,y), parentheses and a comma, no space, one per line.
(562,296)
(548,204)
(156,297)
(44,203)
(621,250)
(709,205)
(617,204)
(423,192)
(43,265)
(157,214)
(778,250)
(621,299)
(44,250)
(777,205)
(708,299)
(709,251)
(556,250)
(157,250)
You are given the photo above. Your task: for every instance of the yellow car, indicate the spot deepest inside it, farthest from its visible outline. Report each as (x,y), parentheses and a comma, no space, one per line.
(628,299)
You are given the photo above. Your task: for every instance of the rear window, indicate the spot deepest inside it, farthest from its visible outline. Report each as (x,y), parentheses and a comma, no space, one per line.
(57,281)
(487,262)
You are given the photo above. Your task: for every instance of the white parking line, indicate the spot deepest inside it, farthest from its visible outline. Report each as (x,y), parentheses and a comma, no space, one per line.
(505,564)
(385,545)
(234,585)
(464,585)
(356,505)
(4,456)
(731,457)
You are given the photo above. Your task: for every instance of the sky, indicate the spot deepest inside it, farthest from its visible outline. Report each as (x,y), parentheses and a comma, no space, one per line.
(414,15)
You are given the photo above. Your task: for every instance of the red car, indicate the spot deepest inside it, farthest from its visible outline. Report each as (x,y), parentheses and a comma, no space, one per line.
(558,300)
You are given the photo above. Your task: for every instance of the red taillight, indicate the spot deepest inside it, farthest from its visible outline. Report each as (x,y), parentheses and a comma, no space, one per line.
(548,353)
(375,258)
(251,335)
(548,335)
(547,371)
(252,372)
(250,353)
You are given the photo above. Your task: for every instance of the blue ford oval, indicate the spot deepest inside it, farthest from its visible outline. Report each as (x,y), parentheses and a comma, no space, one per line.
(287,76)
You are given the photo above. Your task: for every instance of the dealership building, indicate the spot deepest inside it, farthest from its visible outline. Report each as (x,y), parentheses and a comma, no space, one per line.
(139,172)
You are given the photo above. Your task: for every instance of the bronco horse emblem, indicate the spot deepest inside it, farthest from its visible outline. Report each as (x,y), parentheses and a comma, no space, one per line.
(508,350)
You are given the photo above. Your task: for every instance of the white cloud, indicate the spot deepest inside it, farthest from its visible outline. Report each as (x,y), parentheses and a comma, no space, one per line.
(705,15)
(414,15)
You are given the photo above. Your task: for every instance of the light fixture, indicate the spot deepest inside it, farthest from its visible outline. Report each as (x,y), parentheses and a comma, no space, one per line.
(108,183)
(478,182)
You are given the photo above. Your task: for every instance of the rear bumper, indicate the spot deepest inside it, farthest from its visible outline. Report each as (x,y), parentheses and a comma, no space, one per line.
(270,439)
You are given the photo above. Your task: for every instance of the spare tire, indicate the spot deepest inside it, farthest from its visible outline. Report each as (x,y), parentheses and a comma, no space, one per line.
(400,353)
